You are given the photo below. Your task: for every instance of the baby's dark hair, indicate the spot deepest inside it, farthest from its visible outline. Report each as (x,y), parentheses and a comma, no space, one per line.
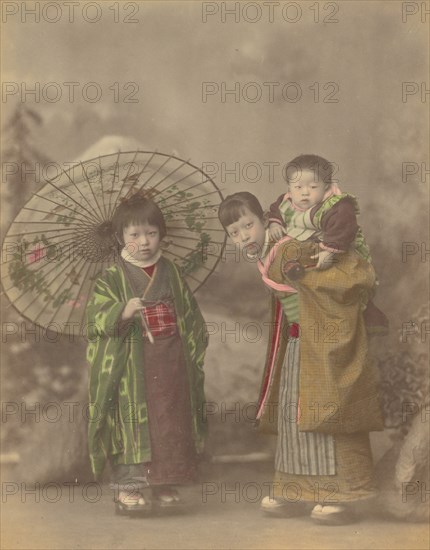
(322,168)
(137,210)
(233,207)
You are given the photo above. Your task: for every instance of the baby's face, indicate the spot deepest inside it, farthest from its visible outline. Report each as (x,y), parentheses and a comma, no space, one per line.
(304,190)
(248,233)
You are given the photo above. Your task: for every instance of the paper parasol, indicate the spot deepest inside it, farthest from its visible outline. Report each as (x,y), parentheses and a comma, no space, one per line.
(59,241)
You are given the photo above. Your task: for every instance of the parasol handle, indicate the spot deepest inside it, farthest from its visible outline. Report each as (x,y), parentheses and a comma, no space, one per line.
(142,315)
(146,327)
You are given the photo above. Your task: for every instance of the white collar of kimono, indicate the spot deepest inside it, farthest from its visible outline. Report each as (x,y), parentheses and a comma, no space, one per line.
(264,250)
(125,255)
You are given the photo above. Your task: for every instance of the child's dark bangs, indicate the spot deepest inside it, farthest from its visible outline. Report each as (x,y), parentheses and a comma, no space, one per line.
(137,218)
(232,212)
(139,215)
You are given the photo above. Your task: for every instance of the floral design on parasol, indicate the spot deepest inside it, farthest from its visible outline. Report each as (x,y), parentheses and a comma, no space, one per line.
(62,238)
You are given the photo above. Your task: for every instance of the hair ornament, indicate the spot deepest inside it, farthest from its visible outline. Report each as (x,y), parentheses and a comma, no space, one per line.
(133,196)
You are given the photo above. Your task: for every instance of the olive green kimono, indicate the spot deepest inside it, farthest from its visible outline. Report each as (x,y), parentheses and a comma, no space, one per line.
(338,385)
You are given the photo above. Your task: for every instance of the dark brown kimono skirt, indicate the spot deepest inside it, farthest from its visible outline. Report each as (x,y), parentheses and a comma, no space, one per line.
(173,456)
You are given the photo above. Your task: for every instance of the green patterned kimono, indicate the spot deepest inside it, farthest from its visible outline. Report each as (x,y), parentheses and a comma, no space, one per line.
(118,423)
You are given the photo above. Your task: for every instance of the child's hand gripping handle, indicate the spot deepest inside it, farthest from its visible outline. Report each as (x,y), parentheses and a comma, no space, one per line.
(133,306)
(146,327)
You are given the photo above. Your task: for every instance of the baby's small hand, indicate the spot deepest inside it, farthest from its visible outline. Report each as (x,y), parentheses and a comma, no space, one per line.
(276,230)
(326,259)
(133,306)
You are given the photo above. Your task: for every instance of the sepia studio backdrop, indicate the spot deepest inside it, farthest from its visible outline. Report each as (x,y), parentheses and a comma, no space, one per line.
(178,66)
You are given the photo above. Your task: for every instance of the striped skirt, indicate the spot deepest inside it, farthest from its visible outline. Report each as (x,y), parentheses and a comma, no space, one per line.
(303,453)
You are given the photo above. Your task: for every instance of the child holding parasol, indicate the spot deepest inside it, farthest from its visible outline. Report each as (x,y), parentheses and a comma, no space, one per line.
(146,376)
